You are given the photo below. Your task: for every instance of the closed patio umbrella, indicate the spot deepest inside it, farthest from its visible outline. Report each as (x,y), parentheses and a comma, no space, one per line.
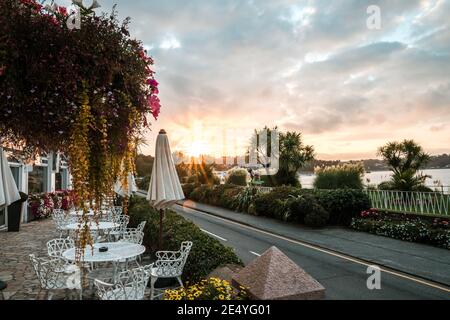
(165,188)
(8,189)
(132,187)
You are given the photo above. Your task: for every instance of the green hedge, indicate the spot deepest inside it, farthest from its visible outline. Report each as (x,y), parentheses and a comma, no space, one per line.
(333,207)
(237,177)
(207,253)
(342,204)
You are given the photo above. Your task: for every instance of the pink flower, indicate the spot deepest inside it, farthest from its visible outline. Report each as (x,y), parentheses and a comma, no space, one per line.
(155,106)
(152,82)
(62,10)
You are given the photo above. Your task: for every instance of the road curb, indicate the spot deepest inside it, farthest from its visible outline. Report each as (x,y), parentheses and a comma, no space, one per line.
(318,246)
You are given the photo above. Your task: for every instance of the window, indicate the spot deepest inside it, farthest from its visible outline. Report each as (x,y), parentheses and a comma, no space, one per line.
(16,174)
(37,182)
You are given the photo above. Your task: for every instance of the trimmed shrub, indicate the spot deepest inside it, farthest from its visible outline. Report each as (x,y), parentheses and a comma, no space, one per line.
(274,204)
(342,204)
(339,177)
(245,198)
(268,181)
(300,206)
(237,177)
(188,188)
(317,217)
(206,254)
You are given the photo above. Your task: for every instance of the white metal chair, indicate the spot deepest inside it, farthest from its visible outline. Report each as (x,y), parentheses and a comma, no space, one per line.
(54,274)
(139,228)
(170,264)
(130,285)
(56,247)
(61,220)
(132,236)
(122,221)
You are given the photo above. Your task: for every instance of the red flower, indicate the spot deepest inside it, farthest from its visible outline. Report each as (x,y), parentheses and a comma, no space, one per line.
(2,71)
(62,10)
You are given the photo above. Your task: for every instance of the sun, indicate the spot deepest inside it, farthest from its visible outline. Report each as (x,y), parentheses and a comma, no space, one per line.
(197,148)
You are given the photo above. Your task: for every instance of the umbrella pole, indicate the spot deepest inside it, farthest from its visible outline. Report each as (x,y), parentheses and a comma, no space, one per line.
(161,217)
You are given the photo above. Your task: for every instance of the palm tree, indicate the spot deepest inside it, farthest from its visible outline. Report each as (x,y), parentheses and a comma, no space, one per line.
(404,159)
(293,156)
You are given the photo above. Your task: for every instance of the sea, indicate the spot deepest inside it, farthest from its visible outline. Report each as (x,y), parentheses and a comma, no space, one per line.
(440,178)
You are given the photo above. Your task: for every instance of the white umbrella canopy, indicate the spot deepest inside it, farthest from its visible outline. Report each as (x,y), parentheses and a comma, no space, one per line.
(8,189)
(165,188)
(132,187)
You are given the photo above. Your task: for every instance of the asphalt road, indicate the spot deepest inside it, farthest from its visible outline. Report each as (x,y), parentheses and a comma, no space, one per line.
(343,279)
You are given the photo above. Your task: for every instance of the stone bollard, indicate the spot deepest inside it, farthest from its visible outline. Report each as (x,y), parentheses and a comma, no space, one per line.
(273,276)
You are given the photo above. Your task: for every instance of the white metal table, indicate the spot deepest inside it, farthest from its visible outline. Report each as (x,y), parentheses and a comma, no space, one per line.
(101,226)
(117,252)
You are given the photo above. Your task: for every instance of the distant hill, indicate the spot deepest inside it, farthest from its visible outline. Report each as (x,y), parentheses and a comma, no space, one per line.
(437,162)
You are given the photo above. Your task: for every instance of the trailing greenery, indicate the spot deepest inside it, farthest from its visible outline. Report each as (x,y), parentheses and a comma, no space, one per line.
(237,176)
(206,254)
(404,227)
(340,176)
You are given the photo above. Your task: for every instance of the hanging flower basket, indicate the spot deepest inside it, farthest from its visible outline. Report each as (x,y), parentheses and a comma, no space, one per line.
(83,91)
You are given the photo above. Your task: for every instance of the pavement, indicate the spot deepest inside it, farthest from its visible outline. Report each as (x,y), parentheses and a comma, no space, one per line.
(327,254)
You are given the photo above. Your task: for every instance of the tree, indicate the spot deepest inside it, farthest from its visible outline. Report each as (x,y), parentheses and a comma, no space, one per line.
(293,156)
(404,159)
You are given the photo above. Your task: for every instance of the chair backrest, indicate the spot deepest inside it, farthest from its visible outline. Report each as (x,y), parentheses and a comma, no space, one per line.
(117,210)
(56,247)
(49,272)
(185,249)
(133,236)
(123,221)
(130,285)
(60,218)
(141,277)
(141,226)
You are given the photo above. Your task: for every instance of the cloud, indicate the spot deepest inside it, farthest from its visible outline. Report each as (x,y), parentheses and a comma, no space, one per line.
(311,66)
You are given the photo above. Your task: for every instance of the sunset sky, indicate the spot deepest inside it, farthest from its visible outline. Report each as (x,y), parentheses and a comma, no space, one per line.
(226,67)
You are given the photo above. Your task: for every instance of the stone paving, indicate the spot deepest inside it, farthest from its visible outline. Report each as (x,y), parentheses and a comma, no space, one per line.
(15,266)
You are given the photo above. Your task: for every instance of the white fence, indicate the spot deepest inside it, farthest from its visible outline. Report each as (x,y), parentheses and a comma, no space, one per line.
(427,203)
(430,203)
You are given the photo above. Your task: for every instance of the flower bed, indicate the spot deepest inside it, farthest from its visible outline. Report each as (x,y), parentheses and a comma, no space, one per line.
(404,227)
(206,254)
(42,205)
(210,289)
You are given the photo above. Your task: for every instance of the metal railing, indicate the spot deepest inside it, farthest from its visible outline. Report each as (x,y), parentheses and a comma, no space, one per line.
(427,203)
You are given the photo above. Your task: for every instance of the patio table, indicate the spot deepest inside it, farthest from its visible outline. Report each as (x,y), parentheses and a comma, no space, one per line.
(101,226)
(117,252)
